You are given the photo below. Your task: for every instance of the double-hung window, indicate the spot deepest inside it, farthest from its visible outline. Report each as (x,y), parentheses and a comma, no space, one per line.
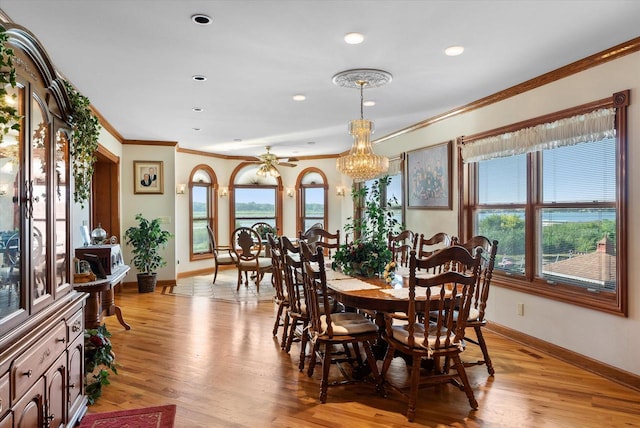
(552,192)
(201,190)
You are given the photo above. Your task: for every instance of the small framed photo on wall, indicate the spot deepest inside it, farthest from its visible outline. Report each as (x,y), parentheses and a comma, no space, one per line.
(148,177)
(429,177)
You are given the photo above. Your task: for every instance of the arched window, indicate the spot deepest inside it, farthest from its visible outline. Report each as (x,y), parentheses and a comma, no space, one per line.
(202,186)
(312,200)
(254,198)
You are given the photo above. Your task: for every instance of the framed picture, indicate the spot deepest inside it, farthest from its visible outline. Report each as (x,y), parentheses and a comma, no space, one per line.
(148,177)
(429,177)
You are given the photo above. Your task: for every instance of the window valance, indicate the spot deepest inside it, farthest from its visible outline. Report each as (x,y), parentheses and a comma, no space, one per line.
(592,126)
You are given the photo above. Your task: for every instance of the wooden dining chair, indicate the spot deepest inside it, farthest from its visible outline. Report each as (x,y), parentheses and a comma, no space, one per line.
(296,314)
(222,255)
(277,271)
(248,247)
(326,330)
(401,245)
(263,230)
(476,319)
(427,246)
(448,294)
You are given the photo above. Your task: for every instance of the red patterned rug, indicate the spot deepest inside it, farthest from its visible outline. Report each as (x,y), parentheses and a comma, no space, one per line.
(149,417)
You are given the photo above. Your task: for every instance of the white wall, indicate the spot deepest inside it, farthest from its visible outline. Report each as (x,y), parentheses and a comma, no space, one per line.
(607,338)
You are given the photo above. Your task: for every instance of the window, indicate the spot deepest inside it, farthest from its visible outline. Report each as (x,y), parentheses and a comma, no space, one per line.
(549,193)
(392,198)
(201,193)
(255,198)
(312,204)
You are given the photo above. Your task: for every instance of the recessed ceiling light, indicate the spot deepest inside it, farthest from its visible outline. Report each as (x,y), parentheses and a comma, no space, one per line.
(237,140)
(353,38)
(199,77)
(196,129)
(299,97)
(198,109)
(454,50)
(201,19)
(369,103)
(311,143)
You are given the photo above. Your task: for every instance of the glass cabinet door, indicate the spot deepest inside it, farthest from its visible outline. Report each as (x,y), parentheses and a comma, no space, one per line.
(11,188)
(61,224)
(37,204)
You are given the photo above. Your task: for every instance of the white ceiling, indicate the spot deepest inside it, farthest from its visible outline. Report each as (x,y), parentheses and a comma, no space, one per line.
(135,60)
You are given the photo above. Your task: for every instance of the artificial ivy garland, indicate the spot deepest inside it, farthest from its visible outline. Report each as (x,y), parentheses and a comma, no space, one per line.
(84,142)
(9,117)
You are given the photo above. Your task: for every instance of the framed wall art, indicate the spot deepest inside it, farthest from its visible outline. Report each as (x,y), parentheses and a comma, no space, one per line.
(429,177)
(148,177)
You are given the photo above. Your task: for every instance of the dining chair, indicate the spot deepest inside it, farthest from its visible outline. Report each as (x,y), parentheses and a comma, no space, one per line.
(292,274)
(248,248)
(222,255)
(317,237)
(427,246)
(401,245)
(326,330)
(263,230)
(448,294)
(277,274)
(476,319)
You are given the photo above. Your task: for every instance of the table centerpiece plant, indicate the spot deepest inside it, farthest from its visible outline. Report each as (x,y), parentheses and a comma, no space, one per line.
(368,253)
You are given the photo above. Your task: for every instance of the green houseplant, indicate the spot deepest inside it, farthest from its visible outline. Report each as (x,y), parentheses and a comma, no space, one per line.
(368,253)
(146,239)
(98,360)
(84,142)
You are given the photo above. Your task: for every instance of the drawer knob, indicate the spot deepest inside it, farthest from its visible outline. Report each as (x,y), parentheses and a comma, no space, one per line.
(61,339)
(28,374)
(71,386)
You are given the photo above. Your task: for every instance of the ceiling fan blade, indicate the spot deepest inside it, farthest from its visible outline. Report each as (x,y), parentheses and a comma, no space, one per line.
(286,164)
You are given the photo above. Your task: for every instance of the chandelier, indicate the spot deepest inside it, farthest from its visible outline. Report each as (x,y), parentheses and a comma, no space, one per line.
(362,163)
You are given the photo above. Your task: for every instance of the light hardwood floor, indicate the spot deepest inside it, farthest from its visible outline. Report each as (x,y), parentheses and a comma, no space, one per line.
(218,362)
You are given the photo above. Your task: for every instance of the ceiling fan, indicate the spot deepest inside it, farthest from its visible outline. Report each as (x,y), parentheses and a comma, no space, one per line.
(268,162)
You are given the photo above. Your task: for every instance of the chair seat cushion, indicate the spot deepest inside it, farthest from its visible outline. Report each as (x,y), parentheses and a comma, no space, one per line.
(400,333)
(226,258)
(348,323)
(263,263)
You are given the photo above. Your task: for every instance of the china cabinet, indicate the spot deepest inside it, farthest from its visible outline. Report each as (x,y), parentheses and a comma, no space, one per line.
(41,316)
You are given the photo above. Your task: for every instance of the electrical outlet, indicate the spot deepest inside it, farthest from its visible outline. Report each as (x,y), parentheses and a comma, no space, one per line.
(520,309)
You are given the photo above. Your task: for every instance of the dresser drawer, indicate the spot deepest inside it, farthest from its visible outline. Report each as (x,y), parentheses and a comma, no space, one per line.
(74,325)
(28,367)
(4,394)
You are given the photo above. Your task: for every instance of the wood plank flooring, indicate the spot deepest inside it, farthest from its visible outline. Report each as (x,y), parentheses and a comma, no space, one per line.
(218,362)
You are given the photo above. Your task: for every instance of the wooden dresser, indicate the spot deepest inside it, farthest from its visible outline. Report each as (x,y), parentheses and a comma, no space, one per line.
(41,315)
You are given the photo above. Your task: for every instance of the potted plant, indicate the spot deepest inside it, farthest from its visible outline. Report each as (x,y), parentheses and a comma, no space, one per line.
(98,360)
(146,239)
(368,253)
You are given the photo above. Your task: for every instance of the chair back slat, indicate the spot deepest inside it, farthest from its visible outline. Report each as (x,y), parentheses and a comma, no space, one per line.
(318,237)
(277,264)
(427,246)
(316,295)
(293,274)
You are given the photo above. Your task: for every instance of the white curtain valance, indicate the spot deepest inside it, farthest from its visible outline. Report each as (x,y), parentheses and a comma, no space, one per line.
(593,126)
(395,167)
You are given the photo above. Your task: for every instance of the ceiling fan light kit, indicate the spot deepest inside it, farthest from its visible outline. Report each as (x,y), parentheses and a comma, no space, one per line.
(268,162)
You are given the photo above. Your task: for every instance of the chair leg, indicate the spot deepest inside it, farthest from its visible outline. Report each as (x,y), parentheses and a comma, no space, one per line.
(276,325)
(371,359)
(388,357)
(285,331)
(313,357)
(215,274)
(292,332)
(485,351)
(465,381)
(239,280)
(326,365)
(304,339)
(413,393)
